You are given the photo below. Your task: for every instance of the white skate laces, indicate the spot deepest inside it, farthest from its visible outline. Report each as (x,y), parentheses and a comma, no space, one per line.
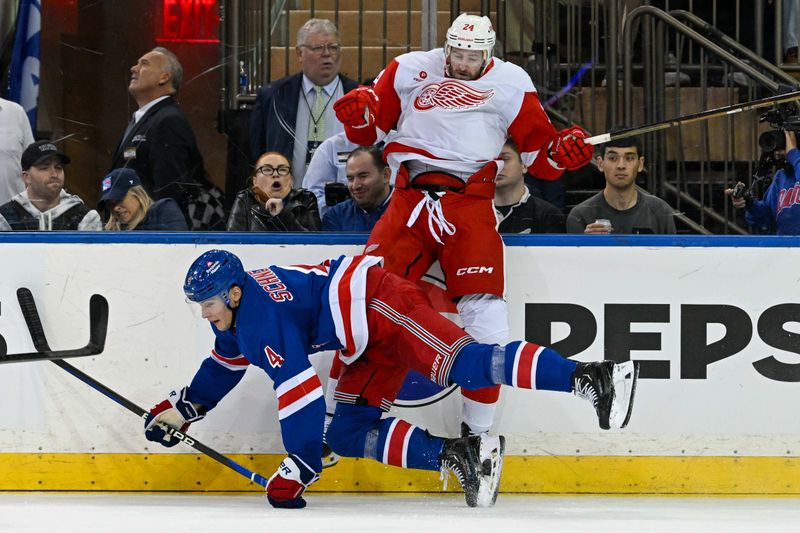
(435,215)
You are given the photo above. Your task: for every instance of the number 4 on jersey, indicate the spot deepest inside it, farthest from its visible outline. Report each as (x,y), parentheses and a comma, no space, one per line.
(274,359)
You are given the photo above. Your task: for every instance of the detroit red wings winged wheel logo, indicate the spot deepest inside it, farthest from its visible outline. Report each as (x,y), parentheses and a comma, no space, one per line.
(451,95)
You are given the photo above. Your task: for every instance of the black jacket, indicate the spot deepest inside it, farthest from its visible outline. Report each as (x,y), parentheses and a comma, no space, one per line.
(275,115)
(530,215)
(300,213)
(162,149)
(163,215)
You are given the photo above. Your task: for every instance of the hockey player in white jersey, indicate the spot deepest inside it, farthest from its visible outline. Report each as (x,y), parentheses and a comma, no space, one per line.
(453,108)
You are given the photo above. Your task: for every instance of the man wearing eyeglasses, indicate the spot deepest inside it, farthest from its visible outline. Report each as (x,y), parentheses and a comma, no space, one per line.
(270,203)
(293,115)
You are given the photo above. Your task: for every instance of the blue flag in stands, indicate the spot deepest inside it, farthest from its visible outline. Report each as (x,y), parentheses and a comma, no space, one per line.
(23,79)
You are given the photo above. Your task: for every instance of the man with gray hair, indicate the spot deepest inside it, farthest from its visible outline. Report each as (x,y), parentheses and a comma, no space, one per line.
(159,143)
(293,115)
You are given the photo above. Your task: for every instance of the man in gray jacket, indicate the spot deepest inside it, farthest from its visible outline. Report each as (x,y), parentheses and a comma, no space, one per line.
(44,204)
(620,207)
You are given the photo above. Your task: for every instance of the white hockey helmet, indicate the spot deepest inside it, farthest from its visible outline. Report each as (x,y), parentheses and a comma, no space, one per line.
(471,32)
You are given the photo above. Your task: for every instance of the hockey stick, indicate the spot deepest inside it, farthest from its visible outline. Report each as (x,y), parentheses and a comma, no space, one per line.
(694,117)
(32,319)
(98,326)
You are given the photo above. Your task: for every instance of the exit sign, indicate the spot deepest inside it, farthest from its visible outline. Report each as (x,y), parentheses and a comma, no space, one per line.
(191,21)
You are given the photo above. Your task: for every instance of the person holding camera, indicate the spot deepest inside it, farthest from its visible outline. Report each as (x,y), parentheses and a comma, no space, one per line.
(778,211)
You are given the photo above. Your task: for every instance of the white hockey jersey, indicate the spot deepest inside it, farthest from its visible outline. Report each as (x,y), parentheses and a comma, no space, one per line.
(457,125)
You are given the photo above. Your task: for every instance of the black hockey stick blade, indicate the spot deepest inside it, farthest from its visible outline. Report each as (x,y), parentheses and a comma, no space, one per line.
(98,327)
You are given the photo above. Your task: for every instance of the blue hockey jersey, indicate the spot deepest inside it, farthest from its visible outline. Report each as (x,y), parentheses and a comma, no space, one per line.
(285,314)
(779,211)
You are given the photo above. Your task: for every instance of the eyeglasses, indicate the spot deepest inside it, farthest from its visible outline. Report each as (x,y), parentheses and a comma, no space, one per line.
(267,170)
(317,49)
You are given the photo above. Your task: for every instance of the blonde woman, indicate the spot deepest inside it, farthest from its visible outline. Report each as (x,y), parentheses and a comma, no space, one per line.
(129,207)
(270,203)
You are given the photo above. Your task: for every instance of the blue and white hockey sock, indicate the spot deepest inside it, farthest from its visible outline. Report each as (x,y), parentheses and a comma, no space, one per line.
(519,364)
(530,366)
(359,431)
(396,442)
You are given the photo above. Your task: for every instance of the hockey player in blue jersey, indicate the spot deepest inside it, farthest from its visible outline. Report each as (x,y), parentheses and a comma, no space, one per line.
(382,326)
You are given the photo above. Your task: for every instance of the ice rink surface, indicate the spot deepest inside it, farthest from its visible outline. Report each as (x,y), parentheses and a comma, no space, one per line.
(119,512)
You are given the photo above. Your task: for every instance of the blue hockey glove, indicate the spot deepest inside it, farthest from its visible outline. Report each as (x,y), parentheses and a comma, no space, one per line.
(286,486)
(176,411)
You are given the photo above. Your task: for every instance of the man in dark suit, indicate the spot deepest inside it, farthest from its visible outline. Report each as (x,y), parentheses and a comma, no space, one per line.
(293,115)
(159,143)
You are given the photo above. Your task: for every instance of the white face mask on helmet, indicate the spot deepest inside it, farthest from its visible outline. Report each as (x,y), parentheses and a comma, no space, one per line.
(471,32)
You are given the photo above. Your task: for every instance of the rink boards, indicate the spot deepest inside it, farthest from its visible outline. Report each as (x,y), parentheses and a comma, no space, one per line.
(714,321)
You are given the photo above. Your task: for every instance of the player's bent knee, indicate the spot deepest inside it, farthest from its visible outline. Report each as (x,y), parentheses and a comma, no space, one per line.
(342,439)
(348,430)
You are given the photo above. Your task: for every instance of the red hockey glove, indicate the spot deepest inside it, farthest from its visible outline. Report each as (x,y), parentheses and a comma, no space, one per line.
(176,411)
(568,149)
(357,109)
(286,486)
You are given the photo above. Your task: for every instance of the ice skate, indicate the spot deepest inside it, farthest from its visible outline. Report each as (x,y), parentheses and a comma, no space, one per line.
(610,387)
(477,462)
(329,457)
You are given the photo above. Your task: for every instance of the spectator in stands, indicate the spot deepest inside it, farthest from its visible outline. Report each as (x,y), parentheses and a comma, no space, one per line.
(270,203)
(159,143)
(326,176)
(779,210)
(628,210)
(44,204)
(368,182)
(129,207)
(293,115)
(790,11)
(15,136)
(518,211)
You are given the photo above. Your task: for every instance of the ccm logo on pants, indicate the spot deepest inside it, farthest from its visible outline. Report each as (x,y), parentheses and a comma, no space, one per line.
(474,270)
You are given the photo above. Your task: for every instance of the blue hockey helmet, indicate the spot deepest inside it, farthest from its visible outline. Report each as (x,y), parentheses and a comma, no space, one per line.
(213,274)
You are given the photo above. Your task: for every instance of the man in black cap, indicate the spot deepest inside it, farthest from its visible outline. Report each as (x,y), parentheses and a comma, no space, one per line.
(44,204)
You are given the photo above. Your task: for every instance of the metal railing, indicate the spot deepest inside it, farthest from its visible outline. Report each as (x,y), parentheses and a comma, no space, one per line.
(372,32)
(724,153)
(598,63)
